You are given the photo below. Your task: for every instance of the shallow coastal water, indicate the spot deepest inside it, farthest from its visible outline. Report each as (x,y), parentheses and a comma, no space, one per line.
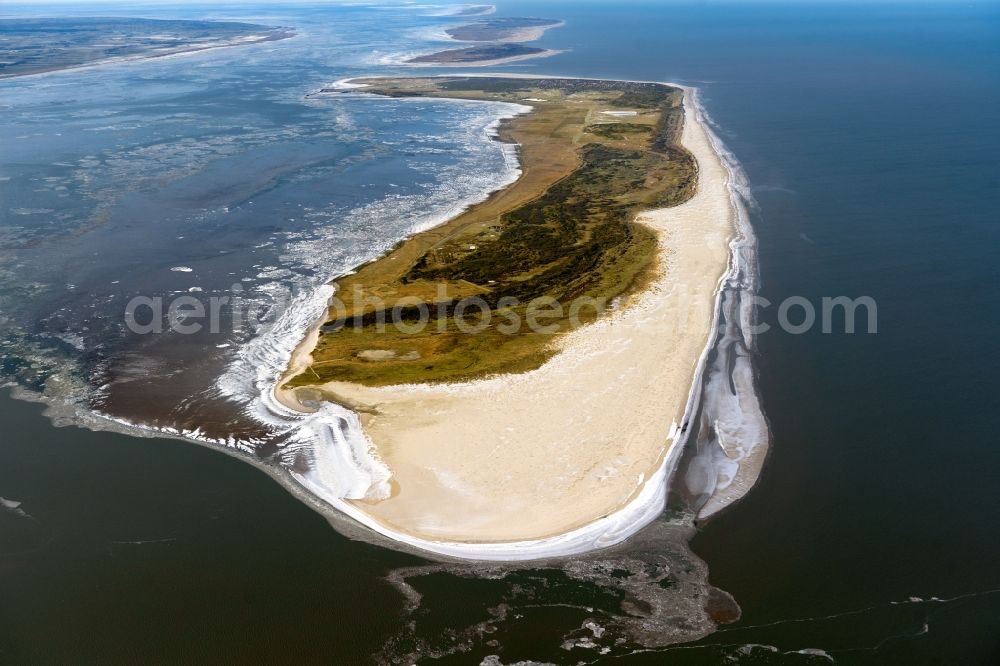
(869,137)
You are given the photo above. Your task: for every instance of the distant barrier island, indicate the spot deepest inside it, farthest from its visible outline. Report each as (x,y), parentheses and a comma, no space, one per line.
(506,33)
(39,45)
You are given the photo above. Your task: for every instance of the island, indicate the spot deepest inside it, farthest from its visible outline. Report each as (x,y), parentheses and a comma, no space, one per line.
(491,54)
(504,32)
(504,417)
(472,10)
(39,45)
(503,29)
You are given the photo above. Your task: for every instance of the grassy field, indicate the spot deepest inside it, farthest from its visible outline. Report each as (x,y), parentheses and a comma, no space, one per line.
(564,232)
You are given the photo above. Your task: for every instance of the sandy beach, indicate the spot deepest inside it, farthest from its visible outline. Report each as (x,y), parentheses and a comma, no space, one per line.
(581,442)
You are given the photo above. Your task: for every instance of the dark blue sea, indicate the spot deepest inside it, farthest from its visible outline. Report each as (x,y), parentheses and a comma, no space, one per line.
(869,134)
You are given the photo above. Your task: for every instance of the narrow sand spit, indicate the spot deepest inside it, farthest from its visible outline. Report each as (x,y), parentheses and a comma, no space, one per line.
(577,449)
(482,63)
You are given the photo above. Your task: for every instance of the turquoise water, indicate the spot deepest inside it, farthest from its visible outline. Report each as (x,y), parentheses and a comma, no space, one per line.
(869,135)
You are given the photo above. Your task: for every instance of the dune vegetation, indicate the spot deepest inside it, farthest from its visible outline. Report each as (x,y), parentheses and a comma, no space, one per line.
(565,232)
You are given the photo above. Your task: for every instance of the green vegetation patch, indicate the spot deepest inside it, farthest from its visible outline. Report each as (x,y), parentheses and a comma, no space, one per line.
(575,245)
(619,131)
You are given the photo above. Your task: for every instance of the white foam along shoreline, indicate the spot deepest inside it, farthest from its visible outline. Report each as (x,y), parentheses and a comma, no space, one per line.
(727,461)
(650,501)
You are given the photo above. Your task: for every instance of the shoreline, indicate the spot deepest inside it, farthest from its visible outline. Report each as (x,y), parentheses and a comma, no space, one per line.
(739,442)
(647,500)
